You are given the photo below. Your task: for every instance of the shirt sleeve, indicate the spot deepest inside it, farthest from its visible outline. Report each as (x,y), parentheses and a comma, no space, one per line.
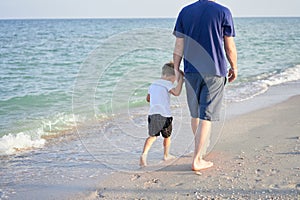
(169,86)
(228,26)
(178,29)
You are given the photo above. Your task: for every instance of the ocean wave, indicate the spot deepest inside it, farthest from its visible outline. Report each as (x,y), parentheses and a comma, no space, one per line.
(36,137)
(11,144)
(287,75)
(58,123)
(260,84)
(33,99)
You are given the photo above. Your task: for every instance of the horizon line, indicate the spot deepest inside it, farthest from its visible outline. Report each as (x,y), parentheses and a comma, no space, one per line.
(70,18)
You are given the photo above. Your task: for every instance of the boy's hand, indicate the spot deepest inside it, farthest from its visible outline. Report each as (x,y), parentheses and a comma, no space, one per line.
(148,98)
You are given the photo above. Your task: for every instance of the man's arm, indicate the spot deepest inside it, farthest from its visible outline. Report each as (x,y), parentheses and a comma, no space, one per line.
(231,55)
(177,55)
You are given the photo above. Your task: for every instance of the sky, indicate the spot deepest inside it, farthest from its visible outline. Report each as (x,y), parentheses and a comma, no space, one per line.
(20,9)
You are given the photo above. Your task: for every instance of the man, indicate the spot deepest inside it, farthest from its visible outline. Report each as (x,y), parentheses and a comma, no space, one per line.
(201,29)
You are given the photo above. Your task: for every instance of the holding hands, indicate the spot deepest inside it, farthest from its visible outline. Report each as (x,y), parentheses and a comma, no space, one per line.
(179,75)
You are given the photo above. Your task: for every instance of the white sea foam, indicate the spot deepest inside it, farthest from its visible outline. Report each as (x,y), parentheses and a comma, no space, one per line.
(17,142)
(10,144)
(287,75)
(248,90)
(59,122)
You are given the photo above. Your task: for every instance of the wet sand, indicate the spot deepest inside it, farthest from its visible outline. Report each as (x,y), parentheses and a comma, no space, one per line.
(256,157)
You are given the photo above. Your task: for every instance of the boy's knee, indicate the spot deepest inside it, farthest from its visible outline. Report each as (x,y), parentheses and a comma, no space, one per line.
(152,138)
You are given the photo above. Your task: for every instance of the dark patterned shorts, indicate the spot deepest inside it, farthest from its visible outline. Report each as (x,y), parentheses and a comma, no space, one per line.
(158,124)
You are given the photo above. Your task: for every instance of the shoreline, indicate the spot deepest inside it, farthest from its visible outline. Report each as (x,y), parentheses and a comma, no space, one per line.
(92,179)
(255,157)
(274,95)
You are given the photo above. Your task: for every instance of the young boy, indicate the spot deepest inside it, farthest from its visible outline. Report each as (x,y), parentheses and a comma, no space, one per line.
(160,118)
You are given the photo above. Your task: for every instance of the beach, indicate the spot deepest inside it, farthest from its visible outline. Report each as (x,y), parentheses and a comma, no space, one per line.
(256,157)
(74,116)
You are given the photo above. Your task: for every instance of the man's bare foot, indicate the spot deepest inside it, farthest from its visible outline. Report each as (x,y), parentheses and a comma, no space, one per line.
(143,160)
(169,157)
(202,164)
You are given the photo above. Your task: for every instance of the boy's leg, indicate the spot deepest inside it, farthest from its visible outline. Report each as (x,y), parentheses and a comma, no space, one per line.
(148,143)
(167,143)
(166,133)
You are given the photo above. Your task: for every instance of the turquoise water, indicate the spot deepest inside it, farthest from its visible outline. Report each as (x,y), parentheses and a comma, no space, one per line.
(56,74)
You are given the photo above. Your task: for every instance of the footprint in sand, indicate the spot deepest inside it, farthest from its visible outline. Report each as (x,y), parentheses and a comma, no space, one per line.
(134,177)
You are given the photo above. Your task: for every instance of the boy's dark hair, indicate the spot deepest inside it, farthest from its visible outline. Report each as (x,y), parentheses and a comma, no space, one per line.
(168,69)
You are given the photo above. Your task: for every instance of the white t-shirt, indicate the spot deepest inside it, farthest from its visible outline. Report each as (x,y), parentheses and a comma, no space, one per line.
(160,97)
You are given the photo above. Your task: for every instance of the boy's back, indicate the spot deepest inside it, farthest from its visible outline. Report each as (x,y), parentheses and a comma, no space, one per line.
(159,92)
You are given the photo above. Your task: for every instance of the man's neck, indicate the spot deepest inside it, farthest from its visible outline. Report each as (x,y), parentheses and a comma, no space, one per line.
(210,0)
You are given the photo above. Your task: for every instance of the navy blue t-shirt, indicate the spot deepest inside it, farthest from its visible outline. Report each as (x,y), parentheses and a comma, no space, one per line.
(203,26)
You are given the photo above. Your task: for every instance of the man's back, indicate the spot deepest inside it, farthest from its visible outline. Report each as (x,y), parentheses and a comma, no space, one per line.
(204,24)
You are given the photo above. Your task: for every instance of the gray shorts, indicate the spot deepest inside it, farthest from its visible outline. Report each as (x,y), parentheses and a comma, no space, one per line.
(204,95)
(158,124)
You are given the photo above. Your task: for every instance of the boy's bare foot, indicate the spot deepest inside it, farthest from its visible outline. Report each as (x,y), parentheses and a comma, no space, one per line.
(143,162)
(169,157)
(202,164)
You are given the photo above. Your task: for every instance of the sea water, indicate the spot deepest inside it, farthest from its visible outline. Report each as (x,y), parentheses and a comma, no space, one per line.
(40,61)
(64,83)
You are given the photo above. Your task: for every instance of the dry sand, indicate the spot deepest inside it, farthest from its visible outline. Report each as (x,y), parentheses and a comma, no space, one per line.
(257,157)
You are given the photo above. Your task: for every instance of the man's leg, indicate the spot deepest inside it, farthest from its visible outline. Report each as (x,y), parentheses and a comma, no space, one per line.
(194,124)
(148,143)
(201,135)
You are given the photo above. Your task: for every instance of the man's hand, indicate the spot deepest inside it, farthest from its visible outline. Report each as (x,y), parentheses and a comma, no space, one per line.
(232,74)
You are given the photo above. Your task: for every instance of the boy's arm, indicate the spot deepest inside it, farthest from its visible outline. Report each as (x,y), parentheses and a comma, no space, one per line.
(148,98)
(177,90)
